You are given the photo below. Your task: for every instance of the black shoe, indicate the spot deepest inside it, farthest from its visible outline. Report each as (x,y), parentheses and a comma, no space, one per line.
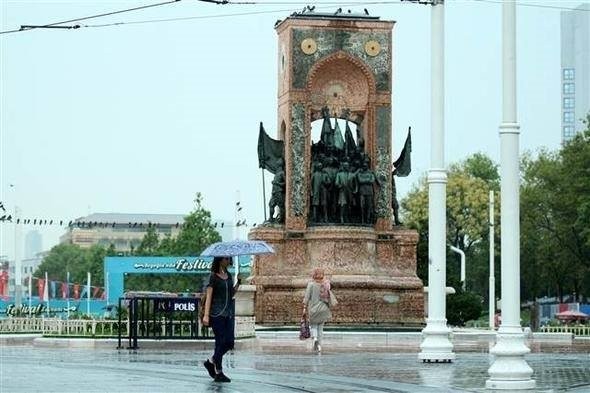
(210,368)
(221,377)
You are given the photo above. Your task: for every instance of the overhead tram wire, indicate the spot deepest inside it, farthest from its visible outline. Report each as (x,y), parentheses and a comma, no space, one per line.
(220,2)
(270,3)
(266,3)
(535,5)
(356,3)
(50,25)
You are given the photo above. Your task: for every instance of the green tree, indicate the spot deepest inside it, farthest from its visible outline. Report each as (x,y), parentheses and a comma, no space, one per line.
(196,234)
(462,306)
(166,245)
(71,258)
(468,188)
(150,244)
(555,212)
(197,231)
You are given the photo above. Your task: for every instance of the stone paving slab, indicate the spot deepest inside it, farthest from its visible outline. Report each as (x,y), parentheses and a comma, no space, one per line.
(29,369)
(52,369)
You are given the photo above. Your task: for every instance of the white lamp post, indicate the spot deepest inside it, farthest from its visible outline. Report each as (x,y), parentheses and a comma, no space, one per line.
(436,345)
(509,371)
(492,284)
(462,254)
(18,266)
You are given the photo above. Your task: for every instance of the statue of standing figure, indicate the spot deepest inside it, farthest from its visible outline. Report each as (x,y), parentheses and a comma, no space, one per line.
(346,185)
(320,182)
(366,180)
(277,199)
(331,169)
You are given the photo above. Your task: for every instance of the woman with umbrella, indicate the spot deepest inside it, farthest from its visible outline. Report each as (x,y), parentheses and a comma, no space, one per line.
(219,305)
(219,314)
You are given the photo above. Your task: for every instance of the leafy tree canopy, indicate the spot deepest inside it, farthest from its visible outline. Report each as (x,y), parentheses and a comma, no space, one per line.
(555,220)
(71,258)
(197,233)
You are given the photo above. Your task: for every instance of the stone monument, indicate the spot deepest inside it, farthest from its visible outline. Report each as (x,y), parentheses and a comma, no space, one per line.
(338,191)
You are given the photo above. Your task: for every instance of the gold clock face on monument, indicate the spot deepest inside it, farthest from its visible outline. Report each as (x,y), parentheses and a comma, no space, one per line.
(309,46)
(372,48)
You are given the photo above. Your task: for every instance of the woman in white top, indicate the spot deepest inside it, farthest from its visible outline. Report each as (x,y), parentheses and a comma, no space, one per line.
(315,305)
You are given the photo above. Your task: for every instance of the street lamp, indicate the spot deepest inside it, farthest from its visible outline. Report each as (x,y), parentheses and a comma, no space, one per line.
(462,254)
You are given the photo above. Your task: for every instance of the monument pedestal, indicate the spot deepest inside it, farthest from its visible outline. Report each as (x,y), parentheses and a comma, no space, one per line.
(373,274)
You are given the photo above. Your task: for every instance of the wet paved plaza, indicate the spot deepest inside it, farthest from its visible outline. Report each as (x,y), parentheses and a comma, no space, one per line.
(28,368)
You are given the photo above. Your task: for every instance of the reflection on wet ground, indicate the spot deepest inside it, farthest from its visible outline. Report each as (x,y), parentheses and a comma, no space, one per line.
(23,368)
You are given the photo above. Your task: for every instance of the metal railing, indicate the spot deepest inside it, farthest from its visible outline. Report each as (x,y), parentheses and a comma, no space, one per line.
(576,330)
(64,327)
(160,318)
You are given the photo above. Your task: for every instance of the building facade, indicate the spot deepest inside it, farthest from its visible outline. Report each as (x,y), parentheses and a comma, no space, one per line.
(29,266)
(575,70)
(126,231)
(33,244)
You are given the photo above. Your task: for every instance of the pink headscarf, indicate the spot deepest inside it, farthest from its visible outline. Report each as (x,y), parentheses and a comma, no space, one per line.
(317,274)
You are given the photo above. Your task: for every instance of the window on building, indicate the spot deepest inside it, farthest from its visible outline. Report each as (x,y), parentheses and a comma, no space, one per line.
(568,132)
(568,74)
(569,88)
(568,117)
(568,102)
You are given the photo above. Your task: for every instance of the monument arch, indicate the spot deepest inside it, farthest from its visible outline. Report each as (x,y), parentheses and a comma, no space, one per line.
(337,66)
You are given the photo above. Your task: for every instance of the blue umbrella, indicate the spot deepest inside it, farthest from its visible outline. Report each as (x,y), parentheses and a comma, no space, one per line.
(236,248)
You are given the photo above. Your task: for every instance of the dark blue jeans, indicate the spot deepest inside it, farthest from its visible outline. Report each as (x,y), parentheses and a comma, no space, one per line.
(223,328)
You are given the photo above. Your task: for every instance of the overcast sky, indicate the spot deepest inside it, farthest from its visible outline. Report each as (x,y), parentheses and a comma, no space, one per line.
(137,118)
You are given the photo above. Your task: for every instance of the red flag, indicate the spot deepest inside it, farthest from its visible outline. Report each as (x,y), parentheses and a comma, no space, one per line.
(95,292)
(3,282)
(40,287)
(76,291)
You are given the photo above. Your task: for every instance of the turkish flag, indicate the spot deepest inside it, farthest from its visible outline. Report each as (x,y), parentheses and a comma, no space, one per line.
(95,292)
(64,290)
(40,287)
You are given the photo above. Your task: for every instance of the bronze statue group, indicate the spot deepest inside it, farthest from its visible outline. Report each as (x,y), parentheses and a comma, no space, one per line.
(342,186)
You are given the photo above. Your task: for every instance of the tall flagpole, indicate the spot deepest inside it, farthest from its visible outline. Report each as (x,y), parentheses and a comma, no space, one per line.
(18,267)
(492,284)
(46,294)
(436,345)
(509,371)
(106,288)
(262,171)
(263,192)
(88,293)
(68,292)
(30,293)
